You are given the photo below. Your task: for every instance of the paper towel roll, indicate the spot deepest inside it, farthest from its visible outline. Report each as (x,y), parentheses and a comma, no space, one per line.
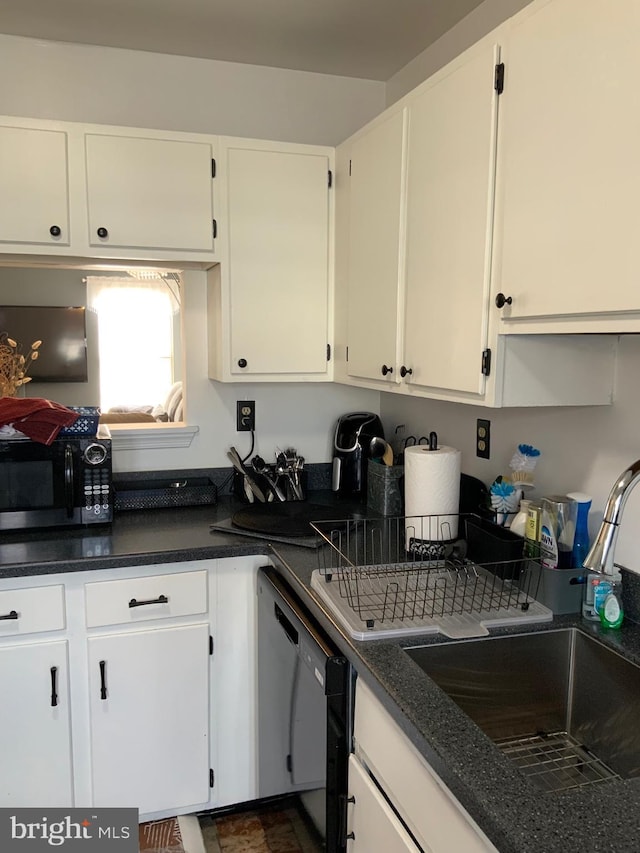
(431,488)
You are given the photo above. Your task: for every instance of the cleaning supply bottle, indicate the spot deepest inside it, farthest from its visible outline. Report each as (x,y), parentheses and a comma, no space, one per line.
(596,589)
(519,523)
(581,539)
(557,531)
(611,612)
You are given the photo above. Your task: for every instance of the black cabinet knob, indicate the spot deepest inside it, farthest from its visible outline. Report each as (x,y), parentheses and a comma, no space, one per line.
(502,300)
(242,362)
(386,369)
(55,231)
(102,232)
(406,371)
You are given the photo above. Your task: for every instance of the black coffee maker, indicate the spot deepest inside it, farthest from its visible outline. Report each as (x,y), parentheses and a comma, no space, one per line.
(351,451)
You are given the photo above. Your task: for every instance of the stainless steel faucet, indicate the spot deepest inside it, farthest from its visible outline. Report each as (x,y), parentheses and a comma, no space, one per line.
(600,556)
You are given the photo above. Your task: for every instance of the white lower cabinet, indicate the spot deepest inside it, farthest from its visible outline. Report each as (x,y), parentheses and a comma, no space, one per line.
(35,712)
(371,822)
(131,687)
(416,804)
(149,701)
(35,726)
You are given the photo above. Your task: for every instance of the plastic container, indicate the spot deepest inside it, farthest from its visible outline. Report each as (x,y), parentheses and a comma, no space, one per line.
(86,423)
(581,541)
(384,488)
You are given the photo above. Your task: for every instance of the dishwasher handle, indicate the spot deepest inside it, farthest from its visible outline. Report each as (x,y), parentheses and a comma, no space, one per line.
(287,627)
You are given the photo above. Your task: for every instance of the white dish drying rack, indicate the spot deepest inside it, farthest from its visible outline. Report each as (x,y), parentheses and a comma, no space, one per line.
(391,577)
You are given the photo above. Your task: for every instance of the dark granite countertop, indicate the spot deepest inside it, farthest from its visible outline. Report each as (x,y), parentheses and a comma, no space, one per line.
(511,810)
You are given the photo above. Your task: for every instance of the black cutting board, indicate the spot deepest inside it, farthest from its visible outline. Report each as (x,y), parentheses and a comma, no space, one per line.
(287,518)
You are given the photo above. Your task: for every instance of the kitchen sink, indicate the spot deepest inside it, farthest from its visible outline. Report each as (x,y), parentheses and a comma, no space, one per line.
(560,704)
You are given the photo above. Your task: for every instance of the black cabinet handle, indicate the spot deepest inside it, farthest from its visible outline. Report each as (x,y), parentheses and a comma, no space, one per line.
(12,614)
(102,232)
(103,679)
(55,231)
(502,300)
(406,371)
(54,693)
(242,362)
(161,599)
(386,369)
(343,801)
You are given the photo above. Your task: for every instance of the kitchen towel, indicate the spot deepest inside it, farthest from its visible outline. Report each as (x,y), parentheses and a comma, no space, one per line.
(431,488)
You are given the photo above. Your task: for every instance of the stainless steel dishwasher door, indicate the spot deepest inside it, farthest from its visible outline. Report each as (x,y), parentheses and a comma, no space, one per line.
(291,702)
(303,700)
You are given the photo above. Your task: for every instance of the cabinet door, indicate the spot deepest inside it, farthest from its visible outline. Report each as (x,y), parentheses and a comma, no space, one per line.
(278,221)
(35,739)
(371,822)
(149,193)
(570,137)
(34,186)
(376,209)
(451,177)
(149,718)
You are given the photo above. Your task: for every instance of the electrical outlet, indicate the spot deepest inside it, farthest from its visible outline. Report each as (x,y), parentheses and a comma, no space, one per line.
(245,415)
(483,438)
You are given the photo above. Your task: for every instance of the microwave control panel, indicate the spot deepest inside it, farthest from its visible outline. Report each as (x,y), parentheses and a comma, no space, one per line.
(96,484)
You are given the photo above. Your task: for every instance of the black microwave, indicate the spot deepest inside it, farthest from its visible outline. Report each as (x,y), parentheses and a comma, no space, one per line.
(65,484)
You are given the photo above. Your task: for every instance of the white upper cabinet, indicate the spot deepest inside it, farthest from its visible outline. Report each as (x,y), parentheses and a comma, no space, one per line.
(376,215)
(471,183)
(150,193)
(269,300)
(34,186)
(450,187)
(570,136)
(93,191)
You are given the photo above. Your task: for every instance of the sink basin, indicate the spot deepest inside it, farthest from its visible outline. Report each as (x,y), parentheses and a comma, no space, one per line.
(560,704)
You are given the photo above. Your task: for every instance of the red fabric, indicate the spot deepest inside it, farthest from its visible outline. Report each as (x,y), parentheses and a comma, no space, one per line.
(36,417)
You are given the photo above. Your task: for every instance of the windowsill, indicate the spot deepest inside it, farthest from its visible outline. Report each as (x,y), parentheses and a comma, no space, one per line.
(151,436)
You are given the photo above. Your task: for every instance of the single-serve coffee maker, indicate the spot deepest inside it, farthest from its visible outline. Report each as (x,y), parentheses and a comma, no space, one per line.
(351,451)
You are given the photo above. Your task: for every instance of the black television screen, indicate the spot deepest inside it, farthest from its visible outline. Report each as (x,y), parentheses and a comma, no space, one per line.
(62,357)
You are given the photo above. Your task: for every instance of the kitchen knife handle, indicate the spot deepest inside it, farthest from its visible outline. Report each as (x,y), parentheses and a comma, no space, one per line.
(335,476)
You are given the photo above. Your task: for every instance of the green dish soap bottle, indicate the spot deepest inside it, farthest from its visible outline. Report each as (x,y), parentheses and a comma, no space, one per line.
(611,612)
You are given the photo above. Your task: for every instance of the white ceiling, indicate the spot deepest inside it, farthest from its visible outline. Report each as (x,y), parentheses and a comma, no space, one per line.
(371,39)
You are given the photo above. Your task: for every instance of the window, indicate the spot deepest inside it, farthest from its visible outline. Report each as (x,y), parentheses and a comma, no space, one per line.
(138,322)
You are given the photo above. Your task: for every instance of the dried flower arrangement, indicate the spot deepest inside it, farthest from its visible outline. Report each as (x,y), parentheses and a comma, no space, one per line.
(14,364)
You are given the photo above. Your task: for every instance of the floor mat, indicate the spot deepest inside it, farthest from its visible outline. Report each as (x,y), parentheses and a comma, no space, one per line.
(173,835)
(275,829)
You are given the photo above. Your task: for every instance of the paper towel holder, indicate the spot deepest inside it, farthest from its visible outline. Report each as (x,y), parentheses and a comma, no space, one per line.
(433,440)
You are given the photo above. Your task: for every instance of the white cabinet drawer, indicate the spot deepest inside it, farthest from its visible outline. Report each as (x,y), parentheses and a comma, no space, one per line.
(140,599)
(28,611)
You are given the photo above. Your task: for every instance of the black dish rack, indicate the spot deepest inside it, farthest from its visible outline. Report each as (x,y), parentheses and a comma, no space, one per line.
(389,571)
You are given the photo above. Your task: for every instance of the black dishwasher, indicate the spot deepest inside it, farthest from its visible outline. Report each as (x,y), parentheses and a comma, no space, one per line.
(304,710)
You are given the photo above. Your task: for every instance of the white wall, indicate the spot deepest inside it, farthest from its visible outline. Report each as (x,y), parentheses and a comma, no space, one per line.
(469,30)
(84,83)
(582,449)
(287,415)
